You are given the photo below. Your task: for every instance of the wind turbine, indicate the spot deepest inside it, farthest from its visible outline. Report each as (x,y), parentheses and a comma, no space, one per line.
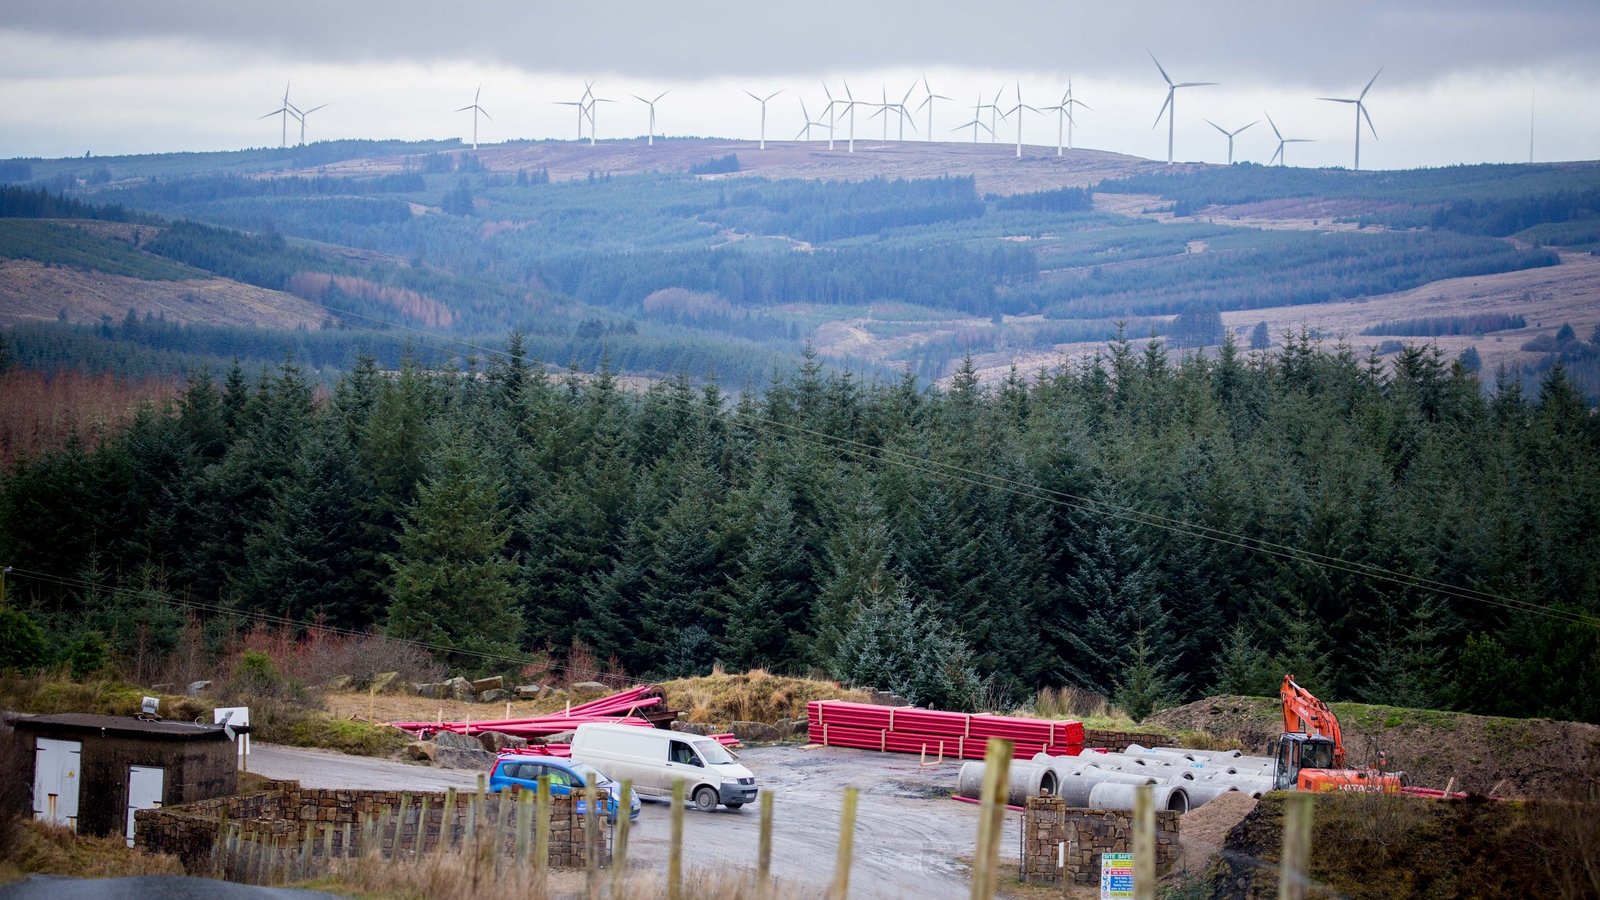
(1228,134)
(806,130)
(286,111)
(831,104)
(1170,107)
(1361,113)
(301,115)
(994,110)
(475,110)
(1279,157)
(928,102)
(651,140)
(1063,111)
(977,120)
(763,102)
(1018,110)
(850,103)
(594,106)
(899,109)
(1069,102)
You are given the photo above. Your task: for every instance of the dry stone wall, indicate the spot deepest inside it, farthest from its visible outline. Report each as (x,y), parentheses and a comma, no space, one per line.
(1087,833)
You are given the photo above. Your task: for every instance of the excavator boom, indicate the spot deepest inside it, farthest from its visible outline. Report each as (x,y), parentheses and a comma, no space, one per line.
(1304,713)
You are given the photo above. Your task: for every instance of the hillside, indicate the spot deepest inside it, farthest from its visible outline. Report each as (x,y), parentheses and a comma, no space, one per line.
(1512,757)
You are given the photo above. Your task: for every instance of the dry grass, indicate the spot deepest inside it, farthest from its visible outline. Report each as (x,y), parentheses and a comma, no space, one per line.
(46,850)
(52,693)
(754,696)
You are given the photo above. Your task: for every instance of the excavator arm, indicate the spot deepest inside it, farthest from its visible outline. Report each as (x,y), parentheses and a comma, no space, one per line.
(1304,713)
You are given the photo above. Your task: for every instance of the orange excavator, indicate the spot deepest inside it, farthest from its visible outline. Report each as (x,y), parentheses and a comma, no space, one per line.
(1310,752)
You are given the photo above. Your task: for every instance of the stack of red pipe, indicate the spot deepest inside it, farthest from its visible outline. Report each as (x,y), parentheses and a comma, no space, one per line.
(837,723)
(617,709)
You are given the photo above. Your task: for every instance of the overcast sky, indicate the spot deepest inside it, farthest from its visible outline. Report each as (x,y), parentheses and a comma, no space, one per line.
(1461,81)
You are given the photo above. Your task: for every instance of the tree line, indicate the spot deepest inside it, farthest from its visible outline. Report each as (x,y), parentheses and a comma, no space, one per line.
(1098,524)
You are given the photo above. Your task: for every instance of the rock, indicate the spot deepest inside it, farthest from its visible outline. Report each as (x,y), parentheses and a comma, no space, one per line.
(385,682)
(558,694)
(754,732)
(494,695)
(497,683)
(589,690)
(421,750)
(791,727)
(165,688)
(430,691)
(456,741)
(459,688)
(479,758)
(339,683)
(692,728)
(196,688)
(887,698)
(560,737)
(531,691)
(495,741)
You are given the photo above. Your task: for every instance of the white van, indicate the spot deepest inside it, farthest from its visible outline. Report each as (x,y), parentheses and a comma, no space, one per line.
(655,758)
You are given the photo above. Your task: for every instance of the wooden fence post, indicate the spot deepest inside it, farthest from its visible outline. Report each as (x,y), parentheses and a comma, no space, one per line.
(991,821)
(1296,863)
(591,839)
(400,824)
(447,819)
(675,848)
(619,852)
(420,846)
(541,824)
(524,825)
(847,843)
(764,853)
(1144,843)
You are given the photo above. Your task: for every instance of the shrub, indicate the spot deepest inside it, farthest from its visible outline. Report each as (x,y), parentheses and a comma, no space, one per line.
(22,643)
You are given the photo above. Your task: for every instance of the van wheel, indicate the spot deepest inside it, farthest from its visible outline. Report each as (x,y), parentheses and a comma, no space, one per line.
(705,799)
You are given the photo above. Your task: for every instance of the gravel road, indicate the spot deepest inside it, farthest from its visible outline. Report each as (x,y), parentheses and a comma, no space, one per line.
(909,834)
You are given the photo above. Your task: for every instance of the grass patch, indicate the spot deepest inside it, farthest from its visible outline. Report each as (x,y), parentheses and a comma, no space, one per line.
(343,735)
(41,849)
(754,696)
(46,694)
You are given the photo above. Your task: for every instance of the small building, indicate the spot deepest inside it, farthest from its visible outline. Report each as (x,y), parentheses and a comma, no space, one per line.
(89,773)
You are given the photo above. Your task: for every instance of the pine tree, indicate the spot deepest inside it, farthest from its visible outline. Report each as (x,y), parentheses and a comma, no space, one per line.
(1145,684)
(900,646)
(858,560)
(451,583)
(770,613)
(1242,668)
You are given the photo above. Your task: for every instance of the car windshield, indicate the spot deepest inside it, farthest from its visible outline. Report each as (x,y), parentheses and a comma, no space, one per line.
(713,753)
(590,773)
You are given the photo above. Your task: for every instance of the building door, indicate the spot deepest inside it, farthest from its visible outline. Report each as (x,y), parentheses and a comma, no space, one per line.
(144,791)
(55,781)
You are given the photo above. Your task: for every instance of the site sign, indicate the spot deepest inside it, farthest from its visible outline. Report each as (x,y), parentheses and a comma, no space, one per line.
(1116,876)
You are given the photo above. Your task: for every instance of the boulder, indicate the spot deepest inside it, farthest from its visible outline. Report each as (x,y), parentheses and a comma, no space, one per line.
(459,688)
(450,757)
(196,688)
(385,682)
(494,695)
(589,690)
(456,741)
(431,691)
(339,683)
(497,683)
(791,727)
(495,741)
(754,732)
(560,737)
(558,694)
(420,750)
(692,728)
(531,691)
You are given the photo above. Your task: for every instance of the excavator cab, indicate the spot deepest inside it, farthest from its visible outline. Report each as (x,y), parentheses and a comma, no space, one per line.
(1296,752)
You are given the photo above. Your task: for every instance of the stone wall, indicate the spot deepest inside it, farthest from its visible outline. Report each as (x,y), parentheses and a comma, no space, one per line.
(1103,739)
(1088,833)
(217,835)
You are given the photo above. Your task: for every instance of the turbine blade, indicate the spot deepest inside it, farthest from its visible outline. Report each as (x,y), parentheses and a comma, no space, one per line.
(1363,108)
(1276,155)
(485,113)
(313,109)
(465,108)
(639,98)
(1369,84)
(1241,131)
(1158,66)
(1274,126)
(1337,99)
(1163,108)
(660,95)
(1214,125)
(773,94)
(753,97)
(1196,84)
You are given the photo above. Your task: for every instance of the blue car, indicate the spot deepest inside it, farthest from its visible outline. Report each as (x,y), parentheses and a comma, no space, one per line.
(567,778)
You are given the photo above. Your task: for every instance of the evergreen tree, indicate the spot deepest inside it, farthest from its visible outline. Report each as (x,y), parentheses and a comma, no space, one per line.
(1145,684)
(769,618)
(1243,668)
(900,646)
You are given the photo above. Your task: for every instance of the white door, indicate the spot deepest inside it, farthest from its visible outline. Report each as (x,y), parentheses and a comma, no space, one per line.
(144,791)
(55,781)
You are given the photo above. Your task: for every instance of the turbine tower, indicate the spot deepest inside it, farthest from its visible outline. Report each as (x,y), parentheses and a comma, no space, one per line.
(1228,134)
(994,110)
(594,106)
(1170,107)
(977,120)
(1361,113)
(831,104)
(582,103)
(850,103)
(651,140)
(928,102)
(763,102)
(1279,157)
(301,115)
(1018,109)
(1069,102)
(476,109)
(286,111)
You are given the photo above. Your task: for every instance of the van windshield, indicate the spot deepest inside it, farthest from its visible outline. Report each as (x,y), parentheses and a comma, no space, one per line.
(713,753)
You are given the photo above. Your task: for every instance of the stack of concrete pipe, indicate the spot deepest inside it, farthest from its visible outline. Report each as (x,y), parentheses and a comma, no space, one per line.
(1183,779)
(1023,780)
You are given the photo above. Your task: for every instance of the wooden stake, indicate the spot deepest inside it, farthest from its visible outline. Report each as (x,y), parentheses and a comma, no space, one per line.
(524,825)
(991,817)
(847,844)
(400,825)
(1144,843)
(344,848)
(447,819)
(541,844)
(1292,875)
(591,839)
(675,848)
(619,852)
(764,853)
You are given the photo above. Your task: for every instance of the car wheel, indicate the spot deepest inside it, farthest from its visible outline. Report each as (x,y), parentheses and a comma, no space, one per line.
(705,799)
(734,805)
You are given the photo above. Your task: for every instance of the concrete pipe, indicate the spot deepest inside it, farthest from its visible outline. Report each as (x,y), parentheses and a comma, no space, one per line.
(1024,780)
(1110,795)
(1203,792)
(1075,789)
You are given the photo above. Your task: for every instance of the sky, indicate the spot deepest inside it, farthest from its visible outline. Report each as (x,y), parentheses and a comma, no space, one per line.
(1462,81)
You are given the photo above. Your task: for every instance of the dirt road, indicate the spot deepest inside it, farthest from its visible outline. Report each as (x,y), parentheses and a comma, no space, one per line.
(910,837)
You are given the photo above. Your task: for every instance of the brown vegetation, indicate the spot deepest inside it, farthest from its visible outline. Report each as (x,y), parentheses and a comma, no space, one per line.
(754,696)
(46,850)
(34,292)
(40,411)
(414,306)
